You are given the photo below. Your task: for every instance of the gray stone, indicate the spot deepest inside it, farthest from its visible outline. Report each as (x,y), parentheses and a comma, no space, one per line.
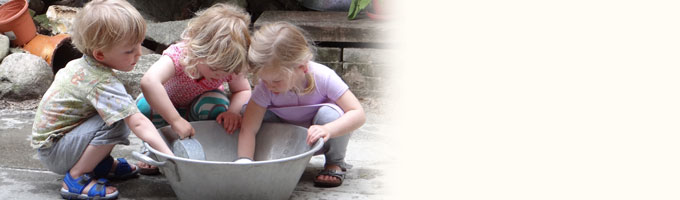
(257,7)
(335,66)
(364,87)
(330,26)
(17,50)
(61,18)
(367,69)
(24,76)
(365,80)
(132,78)
(146,51)
(37,5)
(326,5)
(164,10)
(4,46)
(328,54)
(366,55)
(165,33)
(240,3)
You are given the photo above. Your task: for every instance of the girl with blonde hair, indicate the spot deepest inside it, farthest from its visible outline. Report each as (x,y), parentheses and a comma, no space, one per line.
(186,83)
(294,89)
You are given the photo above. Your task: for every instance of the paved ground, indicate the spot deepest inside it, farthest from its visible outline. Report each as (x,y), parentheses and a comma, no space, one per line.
(23,177)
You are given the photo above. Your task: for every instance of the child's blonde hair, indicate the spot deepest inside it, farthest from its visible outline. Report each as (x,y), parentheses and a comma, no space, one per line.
(101,24)
(284,46)
(219,37)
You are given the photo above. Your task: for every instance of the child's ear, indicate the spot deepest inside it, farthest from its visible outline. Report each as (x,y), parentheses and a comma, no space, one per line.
(98,55)
(304,68)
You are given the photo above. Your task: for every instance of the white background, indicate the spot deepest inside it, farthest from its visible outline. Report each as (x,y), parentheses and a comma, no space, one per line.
(537,99)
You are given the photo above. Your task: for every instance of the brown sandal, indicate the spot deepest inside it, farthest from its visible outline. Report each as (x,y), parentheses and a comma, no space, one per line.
(147,169)
(337,174)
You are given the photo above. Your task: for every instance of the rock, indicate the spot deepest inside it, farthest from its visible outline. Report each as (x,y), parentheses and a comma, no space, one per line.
(37,5)
(4,46)
(327,5)
(169,30)
(240,3)
(132,78)
(328,54)
(17,50)
(61,17)
(24,76)
(146,51)
(366,55)
(366,80)
(330,26)
(164,10)
(165,33)
(257,7)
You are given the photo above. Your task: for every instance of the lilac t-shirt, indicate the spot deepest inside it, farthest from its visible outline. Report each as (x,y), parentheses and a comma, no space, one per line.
(300,110)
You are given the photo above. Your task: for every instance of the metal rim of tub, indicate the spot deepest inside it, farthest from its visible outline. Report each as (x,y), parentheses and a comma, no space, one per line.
(317,146)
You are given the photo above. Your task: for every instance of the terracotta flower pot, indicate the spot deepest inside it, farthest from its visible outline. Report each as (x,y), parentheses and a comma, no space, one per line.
(56,50)
(378,11)
(16,23)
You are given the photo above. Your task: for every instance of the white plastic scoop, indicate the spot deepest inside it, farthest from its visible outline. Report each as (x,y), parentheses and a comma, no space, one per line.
(188,148)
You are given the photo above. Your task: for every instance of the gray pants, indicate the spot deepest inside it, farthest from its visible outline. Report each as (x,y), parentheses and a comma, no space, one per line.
(335,149)
(60,157)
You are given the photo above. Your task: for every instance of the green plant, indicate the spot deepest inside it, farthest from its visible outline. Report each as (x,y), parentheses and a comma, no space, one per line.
(355,7)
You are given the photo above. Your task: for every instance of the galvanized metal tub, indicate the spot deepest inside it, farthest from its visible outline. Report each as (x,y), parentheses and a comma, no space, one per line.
(281,156)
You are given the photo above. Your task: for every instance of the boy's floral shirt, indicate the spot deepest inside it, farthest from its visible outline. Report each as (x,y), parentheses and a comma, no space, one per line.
(79,91)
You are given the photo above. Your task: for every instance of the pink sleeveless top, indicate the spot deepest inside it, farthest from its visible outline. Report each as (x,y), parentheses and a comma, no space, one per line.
(181,88)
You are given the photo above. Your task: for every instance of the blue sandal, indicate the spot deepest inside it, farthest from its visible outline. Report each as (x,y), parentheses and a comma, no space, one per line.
(76,187)
(123,169)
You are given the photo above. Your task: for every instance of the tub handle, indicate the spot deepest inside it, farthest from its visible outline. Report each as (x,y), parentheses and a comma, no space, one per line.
(146,159)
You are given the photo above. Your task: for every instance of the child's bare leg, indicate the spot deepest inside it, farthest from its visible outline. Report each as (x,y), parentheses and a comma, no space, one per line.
(335,157)
(335,148)
(88,161)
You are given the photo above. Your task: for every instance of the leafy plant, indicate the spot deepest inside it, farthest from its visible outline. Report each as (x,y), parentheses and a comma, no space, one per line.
(355,7)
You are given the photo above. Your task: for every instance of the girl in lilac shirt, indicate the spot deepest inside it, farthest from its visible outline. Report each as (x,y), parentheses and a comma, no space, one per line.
(293,89)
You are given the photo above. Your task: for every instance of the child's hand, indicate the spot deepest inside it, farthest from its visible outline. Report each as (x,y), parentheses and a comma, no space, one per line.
(315,132)
(230,121)
(243,160)
(183,128)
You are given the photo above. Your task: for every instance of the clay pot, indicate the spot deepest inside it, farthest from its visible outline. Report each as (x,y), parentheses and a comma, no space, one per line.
(56,50)
(16,23)
(378,11)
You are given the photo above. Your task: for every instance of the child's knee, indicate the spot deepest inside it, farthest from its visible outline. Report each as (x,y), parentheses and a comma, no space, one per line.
(209,105)
(143,106)
(325,115)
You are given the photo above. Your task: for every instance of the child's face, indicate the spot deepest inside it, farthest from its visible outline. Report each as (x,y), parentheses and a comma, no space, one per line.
(210,73)
(275,80)
(121,57)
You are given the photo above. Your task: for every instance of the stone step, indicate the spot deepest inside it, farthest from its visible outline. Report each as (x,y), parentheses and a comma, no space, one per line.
(329,26)
(366,55)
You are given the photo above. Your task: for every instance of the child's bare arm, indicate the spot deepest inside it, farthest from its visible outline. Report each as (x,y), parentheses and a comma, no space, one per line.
(144,129)
(240,93)
(155,94)
(252,119)
(353,118)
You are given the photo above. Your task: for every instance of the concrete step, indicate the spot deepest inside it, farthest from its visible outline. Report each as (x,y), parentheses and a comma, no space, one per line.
(329,26)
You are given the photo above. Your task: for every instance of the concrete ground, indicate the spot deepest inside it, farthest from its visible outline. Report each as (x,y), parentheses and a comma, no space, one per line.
(22,176)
